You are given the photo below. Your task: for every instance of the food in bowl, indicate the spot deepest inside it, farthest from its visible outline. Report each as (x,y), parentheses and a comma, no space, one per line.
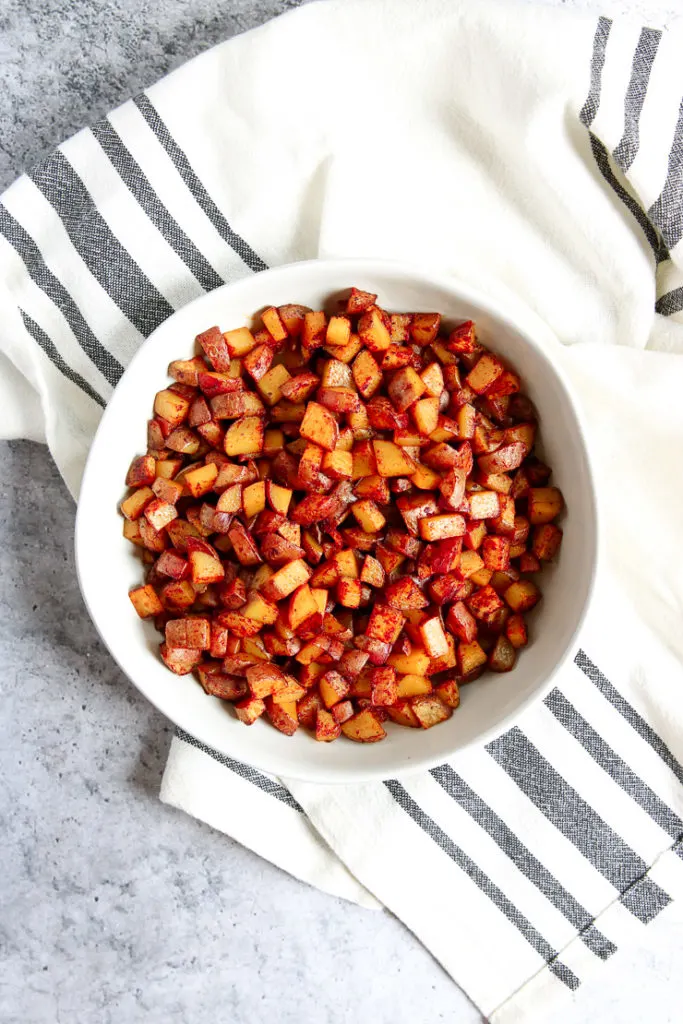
(340,516)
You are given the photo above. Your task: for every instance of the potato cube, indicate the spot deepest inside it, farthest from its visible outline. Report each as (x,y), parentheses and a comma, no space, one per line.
(302,605)
(320,426)
(364,727)
(367,375)
(278,497)
(516,631)
(359,301)
(391,460)
(300,387)
(448,693)
(405,387)
(546,541)
(249,709)
(415,663)
(282,714)
(333,687)
(368,516)
(349,592)
(404,593)
(440,527)
(272,321)
(545,503)
(260,610)
(429,711)
(372,572)
(146,601)
(239,342)
(426,415)
(425,327)
(502,657)
(484,505)
(313,329)
(265,679)
(385,624)
(433,637)
(496,553)
(433,379)
(286,580)
(193,634)
(522,595)
(373,330)
(338,464)
(142,471)
(471,657)
(200,479)
(205,568)
(136,503)
(270,384)
(485,371)
(338,330)
(180,660)
(245,437)
(326,726)
(411,685)
(384,685)
(171,407)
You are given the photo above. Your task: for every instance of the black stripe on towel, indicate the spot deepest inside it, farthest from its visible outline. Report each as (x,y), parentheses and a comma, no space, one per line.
(643,59)
(667,211)
(184,168)
(614,765)
(590,107)
(51,352)
(634,719)
(670,303)
(524,859)
(600,153)
(98,247)
(244,771)
(575,819)
(480,879)
(138,184)
(42,276)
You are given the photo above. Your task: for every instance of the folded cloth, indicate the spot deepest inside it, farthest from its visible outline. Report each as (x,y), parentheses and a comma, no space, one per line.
(539,156)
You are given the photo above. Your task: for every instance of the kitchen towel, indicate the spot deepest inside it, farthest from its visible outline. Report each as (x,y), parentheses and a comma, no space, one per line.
(537,155)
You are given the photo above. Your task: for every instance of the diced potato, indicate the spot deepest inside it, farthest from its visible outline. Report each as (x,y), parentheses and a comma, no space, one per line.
(485,371)
(200,480)
(448,693)
(338,330)
(320,426)
(192,634)
(249,709)
(433,636)
(429,711)
(261,610)
(367,515)
(440,527)
(338,464)
(271,383)
(545,504)
(285,581)
(364,727)
(180,660)
(326,726)
(265,679)
(348,592)
(385,624)
(239,342)
(272,322)
(391,460)
(425,327)
(410,685)
(372,572)
(245,437)
(333,688)
(425,412)
(171,407)
(522,595)
(136,503)
(205,568)
(484,504)
(146,601)
(367,375)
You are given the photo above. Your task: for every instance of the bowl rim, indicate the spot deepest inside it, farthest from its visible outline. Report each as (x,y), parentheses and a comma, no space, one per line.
(527,324)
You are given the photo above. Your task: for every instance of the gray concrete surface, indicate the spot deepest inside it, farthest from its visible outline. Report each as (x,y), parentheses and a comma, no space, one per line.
(113,908)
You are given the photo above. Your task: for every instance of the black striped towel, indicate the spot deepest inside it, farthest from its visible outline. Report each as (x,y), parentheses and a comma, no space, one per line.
(529,152)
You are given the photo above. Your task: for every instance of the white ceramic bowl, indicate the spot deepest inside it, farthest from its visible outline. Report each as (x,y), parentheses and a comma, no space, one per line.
(108,565)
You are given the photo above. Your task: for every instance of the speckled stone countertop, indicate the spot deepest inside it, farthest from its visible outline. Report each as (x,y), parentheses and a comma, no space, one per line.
(115,909)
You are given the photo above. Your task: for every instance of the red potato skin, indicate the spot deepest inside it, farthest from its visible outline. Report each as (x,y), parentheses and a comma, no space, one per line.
(405,510)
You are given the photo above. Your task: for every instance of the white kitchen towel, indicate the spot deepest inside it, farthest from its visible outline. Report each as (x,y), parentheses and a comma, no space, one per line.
(539,156)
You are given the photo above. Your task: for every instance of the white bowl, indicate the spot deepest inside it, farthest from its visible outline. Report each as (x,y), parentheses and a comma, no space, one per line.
(108,566)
